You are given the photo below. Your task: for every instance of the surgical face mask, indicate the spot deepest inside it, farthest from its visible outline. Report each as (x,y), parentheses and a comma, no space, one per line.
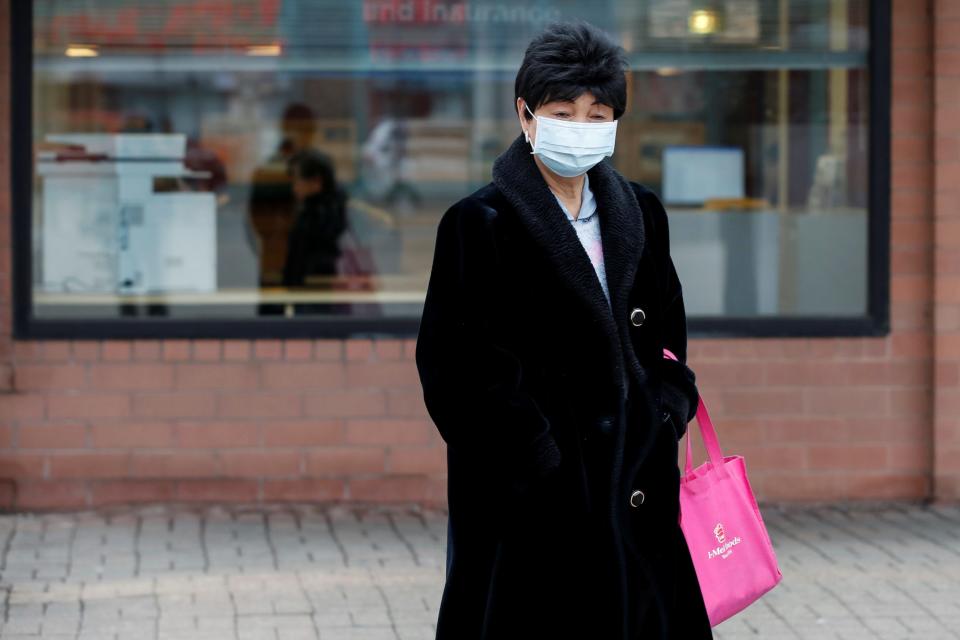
(570,149)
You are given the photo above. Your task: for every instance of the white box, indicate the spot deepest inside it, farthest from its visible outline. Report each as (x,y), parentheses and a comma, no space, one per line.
(168,243)
(693,175)
(105,230)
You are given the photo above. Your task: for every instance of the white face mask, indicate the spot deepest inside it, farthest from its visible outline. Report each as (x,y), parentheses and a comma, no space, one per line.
(570,149)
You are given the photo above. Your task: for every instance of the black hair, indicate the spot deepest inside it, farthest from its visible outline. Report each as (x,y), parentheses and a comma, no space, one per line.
(569,59)
(309,164)
(298,112)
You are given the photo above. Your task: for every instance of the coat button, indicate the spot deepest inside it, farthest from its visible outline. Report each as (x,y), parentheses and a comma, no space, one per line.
(605,425)
(637,498)
(637,316)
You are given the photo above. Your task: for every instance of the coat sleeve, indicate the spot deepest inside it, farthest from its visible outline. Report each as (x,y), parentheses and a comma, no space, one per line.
(680,394)
(473,387)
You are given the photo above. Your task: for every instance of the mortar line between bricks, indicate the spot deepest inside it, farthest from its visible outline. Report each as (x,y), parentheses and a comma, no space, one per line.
(860,538)
(7,543)
(423,522)
(919,533)
(816,614)
(298,521)
(268,536)
(83,611)
(779,616)
(396,530)
(386,603)
(938,512)
(137,530)
(44,523)
(929,516)
(788,534)
(156,603)
(909,596)
(335,537)
(753,630)
(233,605)
(74,530)
(202,534)
(850,610)
(306,597)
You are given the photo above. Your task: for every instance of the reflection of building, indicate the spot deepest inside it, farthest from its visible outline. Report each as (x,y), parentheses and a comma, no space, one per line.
(822,318)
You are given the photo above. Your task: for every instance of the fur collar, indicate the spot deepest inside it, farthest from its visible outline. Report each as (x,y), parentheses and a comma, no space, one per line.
(517,177)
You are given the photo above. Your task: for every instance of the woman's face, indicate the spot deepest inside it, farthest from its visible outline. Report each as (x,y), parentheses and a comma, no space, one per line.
(584,109)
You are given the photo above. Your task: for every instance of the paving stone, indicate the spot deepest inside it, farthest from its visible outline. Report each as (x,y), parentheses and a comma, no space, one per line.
(306,572)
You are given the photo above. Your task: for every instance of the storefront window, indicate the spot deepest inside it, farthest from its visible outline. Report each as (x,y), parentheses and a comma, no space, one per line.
(248,159)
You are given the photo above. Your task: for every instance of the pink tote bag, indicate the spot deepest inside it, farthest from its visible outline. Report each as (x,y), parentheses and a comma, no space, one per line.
(728,542)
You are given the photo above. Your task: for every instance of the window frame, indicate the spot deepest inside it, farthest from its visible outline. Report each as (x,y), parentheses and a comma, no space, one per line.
(876,322)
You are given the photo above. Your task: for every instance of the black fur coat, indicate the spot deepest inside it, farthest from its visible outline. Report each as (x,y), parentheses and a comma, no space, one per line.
(522,365)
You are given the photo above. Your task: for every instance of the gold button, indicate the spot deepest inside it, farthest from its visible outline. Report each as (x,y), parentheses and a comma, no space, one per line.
(637,316)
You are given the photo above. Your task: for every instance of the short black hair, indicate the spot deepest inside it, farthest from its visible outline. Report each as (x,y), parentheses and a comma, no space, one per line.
(569,59)
(309,164)
(297,112)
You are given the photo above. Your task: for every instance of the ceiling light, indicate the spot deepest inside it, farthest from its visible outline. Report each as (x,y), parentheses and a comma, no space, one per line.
(264,50)
(82,51)
(703,22)
(667,72)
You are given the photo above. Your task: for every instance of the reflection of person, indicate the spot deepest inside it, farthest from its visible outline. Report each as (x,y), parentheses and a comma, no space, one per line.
(137,123)
(540,356)
(386,165)
(199,158)
(272,201)
(313,241)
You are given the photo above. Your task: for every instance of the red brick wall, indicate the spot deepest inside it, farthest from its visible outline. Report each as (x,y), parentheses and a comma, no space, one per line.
(94,422)
(98,422)
(946,210)
(7,423)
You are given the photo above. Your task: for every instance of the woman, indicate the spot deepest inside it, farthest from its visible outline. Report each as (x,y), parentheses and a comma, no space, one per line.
(313,244)
(551,298)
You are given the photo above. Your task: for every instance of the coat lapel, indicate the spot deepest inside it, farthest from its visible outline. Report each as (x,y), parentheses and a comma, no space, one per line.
(621,229)
(622,235)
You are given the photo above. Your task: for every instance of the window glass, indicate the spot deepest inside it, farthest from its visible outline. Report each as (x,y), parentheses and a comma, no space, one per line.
(251,158)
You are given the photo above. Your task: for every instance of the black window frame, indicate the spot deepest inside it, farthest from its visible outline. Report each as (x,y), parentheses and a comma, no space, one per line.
(876,322)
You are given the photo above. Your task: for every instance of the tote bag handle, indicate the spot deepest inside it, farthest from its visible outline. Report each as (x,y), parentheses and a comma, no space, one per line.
(707,431)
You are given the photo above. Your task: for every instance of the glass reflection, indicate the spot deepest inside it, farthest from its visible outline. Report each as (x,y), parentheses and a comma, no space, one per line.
(293,158)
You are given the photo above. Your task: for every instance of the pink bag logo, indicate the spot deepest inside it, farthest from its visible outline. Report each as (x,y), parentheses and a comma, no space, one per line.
(719,533)
(725,549)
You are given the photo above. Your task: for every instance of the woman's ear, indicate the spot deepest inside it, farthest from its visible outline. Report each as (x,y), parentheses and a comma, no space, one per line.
(527,125)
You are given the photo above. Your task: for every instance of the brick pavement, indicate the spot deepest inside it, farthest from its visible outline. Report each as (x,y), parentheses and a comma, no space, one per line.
(297,572)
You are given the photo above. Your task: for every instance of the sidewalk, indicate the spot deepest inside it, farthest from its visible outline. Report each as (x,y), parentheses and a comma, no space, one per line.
(297,572)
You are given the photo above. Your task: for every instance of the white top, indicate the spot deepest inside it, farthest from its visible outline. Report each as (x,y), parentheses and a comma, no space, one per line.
(587,226)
